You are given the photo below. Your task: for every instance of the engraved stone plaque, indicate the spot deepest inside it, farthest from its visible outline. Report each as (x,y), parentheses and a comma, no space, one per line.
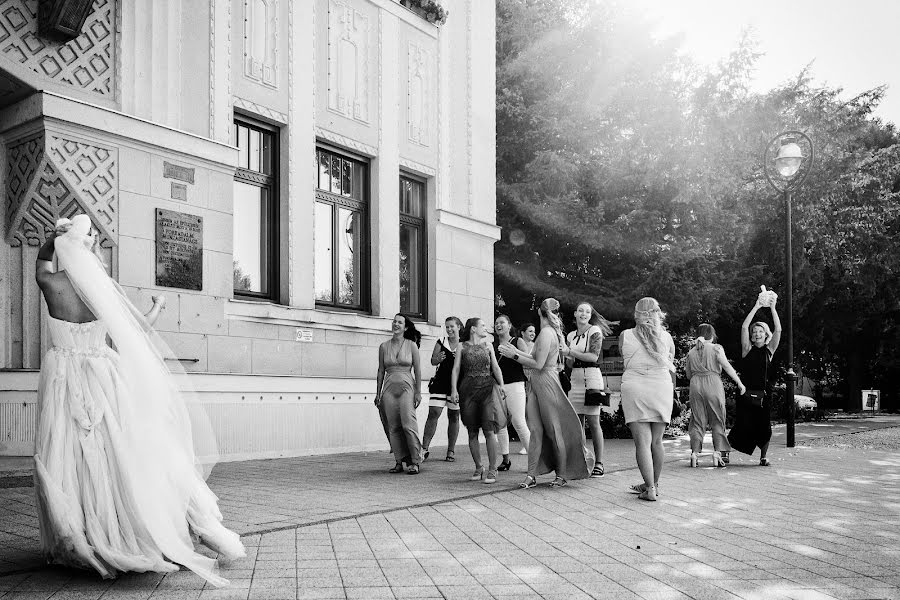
(179,191)
(179,250)
(185,174)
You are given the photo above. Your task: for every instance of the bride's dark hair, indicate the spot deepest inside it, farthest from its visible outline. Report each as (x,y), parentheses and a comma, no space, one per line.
(466,334)
(409,330)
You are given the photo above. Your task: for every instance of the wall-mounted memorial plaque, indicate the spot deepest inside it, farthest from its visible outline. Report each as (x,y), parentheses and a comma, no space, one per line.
(179,250)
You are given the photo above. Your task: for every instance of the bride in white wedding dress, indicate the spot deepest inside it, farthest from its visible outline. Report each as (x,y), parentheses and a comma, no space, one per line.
(120,453)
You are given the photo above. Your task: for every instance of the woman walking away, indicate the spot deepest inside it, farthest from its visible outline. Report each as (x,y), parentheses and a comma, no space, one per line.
(119,444)
(557,438)
(752,424)
(399,391)
(443,357)
(514,386)
(648,385)
(583,350)
(704,365)
(472,387)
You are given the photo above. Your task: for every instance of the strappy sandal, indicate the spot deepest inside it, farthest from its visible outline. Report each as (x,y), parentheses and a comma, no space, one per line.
(413,470)
(598,470)
(764,462)
(398,468)
(529,482)
(478,474)
(451,456)
(504,466)
(425,455)
(558,482)
(640,488)
(725,457)
(491,477)
(649,494)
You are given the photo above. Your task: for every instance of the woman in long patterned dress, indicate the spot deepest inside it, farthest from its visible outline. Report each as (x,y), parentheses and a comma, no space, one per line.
(475,374)
(557,438)
(399,392)
(752,424)
(704,365)
(119,451)
(648,385)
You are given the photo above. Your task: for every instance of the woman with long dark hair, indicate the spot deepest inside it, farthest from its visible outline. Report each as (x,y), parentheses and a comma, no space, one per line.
(557,438)
(443,357)
(704,365)
(583,349)
(475,373)
(399,392)
(648,386)
(752,422)
(514,385)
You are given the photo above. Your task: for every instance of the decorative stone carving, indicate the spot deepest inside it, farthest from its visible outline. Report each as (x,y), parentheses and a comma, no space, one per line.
(419,95)
(53,176)
(86,63)
(348,61)
(260,110)
(261,41)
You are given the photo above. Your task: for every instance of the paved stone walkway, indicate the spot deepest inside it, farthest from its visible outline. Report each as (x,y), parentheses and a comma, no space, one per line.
(822,522)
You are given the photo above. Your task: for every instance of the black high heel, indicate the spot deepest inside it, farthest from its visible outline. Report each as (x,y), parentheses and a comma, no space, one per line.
(505,465)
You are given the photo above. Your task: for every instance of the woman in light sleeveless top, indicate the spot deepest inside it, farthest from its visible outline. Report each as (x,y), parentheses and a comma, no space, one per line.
(704,365)
(583,350)
(648,385)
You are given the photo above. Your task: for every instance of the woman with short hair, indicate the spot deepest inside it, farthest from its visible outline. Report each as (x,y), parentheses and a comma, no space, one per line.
(399,391)
(648,387)
(752,418)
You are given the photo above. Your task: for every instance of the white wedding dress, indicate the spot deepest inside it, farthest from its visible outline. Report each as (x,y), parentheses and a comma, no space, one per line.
(118,484)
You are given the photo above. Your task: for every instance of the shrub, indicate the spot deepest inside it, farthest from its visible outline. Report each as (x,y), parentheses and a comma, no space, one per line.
(613,425)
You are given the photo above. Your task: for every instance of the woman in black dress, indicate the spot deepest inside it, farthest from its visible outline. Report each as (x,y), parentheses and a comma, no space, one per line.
(752,425)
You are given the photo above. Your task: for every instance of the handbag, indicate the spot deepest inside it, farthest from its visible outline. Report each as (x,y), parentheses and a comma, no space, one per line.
(564,381)
(596,398)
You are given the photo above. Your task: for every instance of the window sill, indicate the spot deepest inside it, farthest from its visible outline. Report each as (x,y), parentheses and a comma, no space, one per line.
(269,312)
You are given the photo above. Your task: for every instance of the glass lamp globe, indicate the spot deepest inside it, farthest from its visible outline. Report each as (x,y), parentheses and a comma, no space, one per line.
(788,161)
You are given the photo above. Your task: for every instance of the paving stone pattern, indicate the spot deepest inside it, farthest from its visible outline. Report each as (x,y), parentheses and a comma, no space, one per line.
(822,522)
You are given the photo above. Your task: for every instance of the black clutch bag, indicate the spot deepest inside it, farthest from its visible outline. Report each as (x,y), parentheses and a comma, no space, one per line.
(755,397)
(596,398)
(565,382)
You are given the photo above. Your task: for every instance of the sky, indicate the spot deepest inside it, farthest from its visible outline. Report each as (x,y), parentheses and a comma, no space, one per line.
(852,44)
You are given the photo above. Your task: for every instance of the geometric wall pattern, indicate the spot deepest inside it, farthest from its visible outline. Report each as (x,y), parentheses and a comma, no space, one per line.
(52,176)
(87,62)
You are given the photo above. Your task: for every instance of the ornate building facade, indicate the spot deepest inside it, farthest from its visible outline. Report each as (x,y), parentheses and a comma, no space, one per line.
(289,174)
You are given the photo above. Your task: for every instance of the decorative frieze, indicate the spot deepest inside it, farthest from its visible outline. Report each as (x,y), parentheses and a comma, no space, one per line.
(349,33)
(261,41)
(420,68)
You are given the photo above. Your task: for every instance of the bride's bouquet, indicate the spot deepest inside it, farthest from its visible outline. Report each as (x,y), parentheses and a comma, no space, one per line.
(766,297)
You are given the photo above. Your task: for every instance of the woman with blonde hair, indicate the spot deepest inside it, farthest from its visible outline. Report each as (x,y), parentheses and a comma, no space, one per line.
(583,350)
(648,385)
(752,423)
(557,438)
(704,365)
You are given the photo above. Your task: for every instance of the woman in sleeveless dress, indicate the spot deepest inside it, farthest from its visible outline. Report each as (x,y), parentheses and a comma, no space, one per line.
(443,357)
(399,392)
(648,384)
(513,405)
(752,424)
(118,450)
(704,365)
(583,349)
(475,374)
(557,438)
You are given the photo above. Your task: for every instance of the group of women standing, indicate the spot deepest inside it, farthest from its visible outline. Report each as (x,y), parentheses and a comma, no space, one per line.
(517,380)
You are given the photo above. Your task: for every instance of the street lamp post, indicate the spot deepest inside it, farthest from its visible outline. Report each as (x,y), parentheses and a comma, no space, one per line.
(786,166)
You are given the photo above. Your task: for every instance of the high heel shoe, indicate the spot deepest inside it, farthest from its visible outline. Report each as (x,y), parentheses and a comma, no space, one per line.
(725,457)
(505,465)
(478,475)
(695,460)
(717,460)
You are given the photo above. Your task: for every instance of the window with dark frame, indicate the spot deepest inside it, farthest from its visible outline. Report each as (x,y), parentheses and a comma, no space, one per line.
(255,219)
(413,275)
(342,230)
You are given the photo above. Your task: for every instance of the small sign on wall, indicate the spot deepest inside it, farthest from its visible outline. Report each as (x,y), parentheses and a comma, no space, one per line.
(179,250)
(304,335)
(871,400)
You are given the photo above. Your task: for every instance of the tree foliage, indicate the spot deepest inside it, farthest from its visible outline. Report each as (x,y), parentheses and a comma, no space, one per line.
(624,170)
